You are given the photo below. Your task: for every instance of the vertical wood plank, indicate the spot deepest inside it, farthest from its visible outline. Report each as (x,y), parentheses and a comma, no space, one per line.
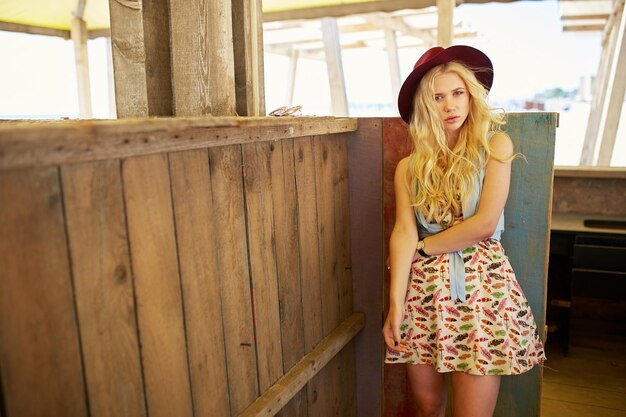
(366,196)
(141,58)
(309,261)
(232,262)
(284,201)
(258,191)
(339,152)
(526,237)
(193,208)
(202,57)
(329,265)
(103,284)
(39,349)
(157,285)
(248,56)
(334,62)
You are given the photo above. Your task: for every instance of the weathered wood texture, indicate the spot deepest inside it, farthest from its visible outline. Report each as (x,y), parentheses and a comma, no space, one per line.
(171,281)
(527,219)
(366,197)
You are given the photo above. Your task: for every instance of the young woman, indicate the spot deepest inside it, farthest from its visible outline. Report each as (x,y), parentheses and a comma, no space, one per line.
(455,305)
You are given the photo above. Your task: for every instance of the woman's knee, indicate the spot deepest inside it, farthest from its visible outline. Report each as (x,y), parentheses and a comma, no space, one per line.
(431,405)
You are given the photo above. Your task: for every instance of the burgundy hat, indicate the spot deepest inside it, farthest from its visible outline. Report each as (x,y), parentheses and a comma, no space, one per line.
(471,57)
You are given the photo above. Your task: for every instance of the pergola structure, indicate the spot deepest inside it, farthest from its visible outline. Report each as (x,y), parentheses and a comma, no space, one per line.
(286,27)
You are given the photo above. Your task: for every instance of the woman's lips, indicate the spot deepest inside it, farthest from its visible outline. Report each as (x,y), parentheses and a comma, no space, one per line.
(452,119)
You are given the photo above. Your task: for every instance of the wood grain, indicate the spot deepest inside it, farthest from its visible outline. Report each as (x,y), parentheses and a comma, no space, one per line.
(329,390)
(261,247)
(526,237)
(96,227)
(157,285)
(26,144)
(197,252)
(309,260)
(366,196)
(40,355)
(284,201)
(268,403)
(232,263)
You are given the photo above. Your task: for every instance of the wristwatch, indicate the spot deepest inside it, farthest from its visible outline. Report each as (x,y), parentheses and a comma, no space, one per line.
(420,248)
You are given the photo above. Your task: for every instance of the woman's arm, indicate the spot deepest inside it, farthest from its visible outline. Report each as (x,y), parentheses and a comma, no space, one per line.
(401,250)
(492,200)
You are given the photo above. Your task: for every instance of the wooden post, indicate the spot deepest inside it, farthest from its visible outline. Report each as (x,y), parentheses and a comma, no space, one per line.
(202,58)
(590,150)
(79,38)
(394,65)
(248,54)
(110,79)
(616,87)
(597,102)
(332,48)
(291,81)
(141,57)
(445,13)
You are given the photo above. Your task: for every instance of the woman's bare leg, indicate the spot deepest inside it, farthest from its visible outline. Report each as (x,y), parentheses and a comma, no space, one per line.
(429,390)
(474,395)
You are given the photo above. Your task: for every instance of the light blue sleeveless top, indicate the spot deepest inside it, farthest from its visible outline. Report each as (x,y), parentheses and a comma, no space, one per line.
(457,267)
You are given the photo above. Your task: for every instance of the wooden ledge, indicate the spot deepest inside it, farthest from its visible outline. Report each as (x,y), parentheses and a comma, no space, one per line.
(36,143)
(283,390)
(589,172)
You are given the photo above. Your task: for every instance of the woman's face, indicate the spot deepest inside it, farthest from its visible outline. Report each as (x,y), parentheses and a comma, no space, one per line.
(452,100)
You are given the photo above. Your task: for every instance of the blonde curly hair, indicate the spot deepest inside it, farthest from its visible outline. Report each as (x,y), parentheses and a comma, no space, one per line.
(442,178)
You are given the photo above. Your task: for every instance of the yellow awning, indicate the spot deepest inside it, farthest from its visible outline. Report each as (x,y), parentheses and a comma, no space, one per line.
(57,14)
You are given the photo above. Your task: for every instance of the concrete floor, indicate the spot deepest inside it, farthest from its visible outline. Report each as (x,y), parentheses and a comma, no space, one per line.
(590,381)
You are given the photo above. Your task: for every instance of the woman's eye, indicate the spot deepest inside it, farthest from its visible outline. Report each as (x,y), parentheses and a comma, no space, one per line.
(437,98)
(458,93)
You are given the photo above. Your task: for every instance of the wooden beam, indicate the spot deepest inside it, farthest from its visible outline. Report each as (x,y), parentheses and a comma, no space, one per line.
(394,65)
(357,8)
(29,144)
(141,57)
(79,39)
(248,55)
(291,80)
(587,156)
(34,30)
(110,79)
(332,49)
(291,383)
(616,88)
(79,10)
(445,15)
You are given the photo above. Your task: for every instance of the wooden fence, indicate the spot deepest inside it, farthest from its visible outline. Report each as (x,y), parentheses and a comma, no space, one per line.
(176,267)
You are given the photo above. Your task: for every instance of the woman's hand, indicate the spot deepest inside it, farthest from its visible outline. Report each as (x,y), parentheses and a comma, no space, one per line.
(391,330)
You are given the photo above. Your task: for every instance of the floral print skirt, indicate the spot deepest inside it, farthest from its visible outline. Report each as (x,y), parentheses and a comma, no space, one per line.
(492,333)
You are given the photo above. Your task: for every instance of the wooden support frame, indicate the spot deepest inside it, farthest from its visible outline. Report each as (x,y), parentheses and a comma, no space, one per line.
(332,48)
(593,135)
(140,39)
(79,38)
(292,382)
(291,80)
(616,87)
(445,15)
(248,55)
(72,142)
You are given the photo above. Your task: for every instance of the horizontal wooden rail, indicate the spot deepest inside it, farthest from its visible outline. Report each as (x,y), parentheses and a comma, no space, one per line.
(28,144)
(292,382)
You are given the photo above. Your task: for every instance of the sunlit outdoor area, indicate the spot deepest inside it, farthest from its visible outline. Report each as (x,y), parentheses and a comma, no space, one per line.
(538,65)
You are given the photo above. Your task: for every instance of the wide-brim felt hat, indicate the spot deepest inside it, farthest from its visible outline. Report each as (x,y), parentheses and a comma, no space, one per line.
(474,59)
